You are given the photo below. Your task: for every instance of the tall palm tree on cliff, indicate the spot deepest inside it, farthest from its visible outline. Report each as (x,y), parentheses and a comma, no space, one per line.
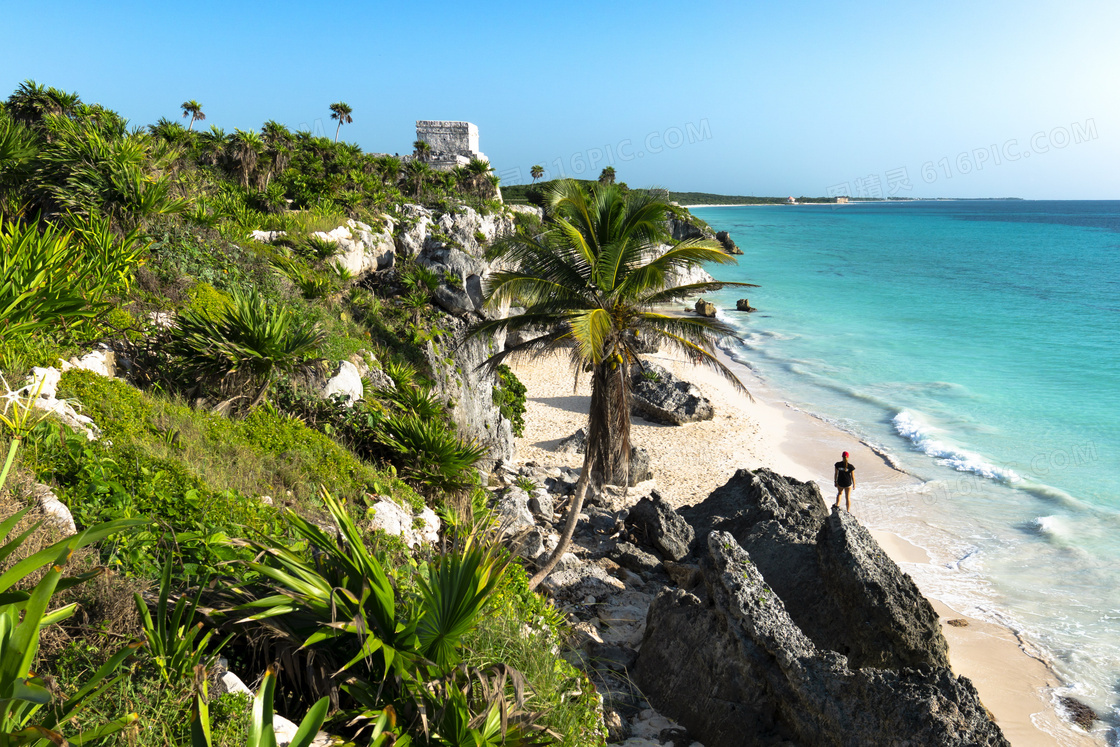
(245,149)
(193,109)
(606,176)
(278,141)
(341,111)
(595,279)
(479,171)
(536,172)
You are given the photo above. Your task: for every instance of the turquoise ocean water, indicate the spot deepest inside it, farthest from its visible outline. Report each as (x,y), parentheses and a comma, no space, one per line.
(976,344)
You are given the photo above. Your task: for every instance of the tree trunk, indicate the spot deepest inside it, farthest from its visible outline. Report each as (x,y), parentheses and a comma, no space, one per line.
(608,427)
(608,448)
(569,524)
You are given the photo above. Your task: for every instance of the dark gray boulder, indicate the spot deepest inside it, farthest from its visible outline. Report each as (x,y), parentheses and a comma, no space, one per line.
(655,524)
(744,304)
(660,397)
(843,592)
(752,677)
(899,626)
(633,557)
(752,498)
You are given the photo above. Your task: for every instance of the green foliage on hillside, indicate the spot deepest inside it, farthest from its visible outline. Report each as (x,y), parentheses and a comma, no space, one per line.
(234,469)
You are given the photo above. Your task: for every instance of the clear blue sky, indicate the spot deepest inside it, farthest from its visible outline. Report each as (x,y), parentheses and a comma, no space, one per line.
(758,98)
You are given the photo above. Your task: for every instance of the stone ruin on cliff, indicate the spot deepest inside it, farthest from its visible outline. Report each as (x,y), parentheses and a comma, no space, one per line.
(452,143)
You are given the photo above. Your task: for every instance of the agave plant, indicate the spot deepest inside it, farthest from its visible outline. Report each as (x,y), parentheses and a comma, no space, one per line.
(172,634)
(431,453)
(350,630)
(39,280)
(247,346)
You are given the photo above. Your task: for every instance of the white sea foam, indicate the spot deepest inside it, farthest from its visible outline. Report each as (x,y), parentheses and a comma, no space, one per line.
(1051,525)
(924,439)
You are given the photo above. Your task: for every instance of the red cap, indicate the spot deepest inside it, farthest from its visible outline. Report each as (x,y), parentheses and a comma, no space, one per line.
(845,455)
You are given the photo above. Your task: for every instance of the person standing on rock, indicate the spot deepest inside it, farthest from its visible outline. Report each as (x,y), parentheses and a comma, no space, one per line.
(844,479)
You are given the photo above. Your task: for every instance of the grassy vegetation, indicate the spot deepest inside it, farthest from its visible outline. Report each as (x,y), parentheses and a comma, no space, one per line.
(220,466)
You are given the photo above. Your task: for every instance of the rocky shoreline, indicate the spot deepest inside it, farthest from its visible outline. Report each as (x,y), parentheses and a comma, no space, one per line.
(752,617)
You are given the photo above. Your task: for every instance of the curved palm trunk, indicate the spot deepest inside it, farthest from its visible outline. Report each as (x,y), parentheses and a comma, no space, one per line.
(569,525)
(336,129)
(607,452)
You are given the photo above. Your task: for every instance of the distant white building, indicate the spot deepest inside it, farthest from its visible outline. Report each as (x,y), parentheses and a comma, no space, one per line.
(452,143)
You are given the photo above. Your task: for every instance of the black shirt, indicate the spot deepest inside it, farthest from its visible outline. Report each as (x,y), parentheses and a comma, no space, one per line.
(844,474)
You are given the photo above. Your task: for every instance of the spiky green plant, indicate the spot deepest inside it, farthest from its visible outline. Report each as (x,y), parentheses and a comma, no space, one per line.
(51,277)
(430,453)
(244,349)
(173,635)
(30,713)
(356,632)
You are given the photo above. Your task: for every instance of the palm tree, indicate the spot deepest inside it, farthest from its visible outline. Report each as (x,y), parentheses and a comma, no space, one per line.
(421,150)
(278,149)
(341,111)
(31,102)
(245,149)
(416,175)
(193,109)
(462,177)
(606,176)
(389,167)
(213,145)
(536,172)
(479,170)
(594,279)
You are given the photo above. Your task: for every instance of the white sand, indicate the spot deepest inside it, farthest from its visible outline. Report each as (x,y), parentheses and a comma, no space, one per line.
(692,460)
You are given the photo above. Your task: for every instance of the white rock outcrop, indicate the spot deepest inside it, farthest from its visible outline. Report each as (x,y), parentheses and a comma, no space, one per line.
(347,382)
(100,362)
(55,510)
(414,529)
(266,237)
(361,249)
(44,382)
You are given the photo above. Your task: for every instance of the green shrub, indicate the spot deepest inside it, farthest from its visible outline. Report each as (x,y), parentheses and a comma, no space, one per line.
(509,396)
(267,453)
(524,630)
(208,302)
(244,350)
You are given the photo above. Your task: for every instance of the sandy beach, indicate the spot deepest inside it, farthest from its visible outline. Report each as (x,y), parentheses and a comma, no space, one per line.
(690,461)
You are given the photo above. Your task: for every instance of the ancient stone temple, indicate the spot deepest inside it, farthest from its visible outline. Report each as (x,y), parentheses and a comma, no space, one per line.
(452,143)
